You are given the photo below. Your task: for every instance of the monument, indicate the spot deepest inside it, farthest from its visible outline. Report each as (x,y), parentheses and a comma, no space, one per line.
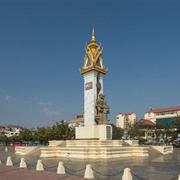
(94,140)
(95,107)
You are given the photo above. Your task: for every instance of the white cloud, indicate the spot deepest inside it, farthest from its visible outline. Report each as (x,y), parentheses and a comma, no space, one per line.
(51,113)
(9,98)
(45,110)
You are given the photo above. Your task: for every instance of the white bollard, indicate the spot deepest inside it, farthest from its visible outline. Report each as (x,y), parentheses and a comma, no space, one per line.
(6,149)
(9,161)
(89,172)
(127,174)
(0,162)
(179,177)
(61,169)
(39,166)
(23,163)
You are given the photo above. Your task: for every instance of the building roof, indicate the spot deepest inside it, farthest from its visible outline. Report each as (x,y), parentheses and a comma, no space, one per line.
(76,120)
(175,108)
(10,126)
(13,126)
(125,114)
(146,122)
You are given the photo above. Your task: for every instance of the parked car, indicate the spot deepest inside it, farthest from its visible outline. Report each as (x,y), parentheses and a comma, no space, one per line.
(17,144)
(176,144)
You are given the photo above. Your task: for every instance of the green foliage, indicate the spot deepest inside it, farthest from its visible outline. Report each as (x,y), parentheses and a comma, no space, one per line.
(61,131)
(163,128)
(5,140)
(176,124)
(176,121)
(43,134)
(26,135)
(117,132)
(135,131)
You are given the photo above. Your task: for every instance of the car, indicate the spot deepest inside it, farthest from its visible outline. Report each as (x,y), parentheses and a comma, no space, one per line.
(17,144)
(176,144)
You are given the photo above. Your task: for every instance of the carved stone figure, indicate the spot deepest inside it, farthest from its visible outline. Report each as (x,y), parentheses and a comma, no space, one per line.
(101,110)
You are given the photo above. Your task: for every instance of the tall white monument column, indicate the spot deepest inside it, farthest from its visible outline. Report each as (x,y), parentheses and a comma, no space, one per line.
(93,71)
(90,95)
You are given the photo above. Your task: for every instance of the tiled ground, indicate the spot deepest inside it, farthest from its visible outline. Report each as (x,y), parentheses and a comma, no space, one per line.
(155,167)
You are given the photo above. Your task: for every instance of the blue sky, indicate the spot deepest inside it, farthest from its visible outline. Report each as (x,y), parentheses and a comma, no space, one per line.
(42,48)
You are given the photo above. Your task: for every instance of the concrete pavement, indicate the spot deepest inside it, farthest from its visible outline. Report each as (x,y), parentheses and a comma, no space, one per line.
(12,172)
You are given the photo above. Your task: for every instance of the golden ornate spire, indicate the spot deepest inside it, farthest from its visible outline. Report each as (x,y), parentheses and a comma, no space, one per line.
(93,57)
(93,40)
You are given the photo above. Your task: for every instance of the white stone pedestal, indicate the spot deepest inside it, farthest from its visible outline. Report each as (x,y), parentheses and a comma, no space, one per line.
(96,132)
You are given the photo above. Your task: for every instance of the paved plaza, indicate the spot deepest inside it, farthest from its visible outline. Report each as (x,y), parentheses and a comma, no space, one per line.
(154,167)
(15,173)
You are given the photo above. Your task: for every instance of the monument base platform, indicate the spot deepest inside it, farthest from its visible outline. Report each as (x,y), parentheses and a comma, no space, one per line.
(94,149)
(96,132)
(93,143)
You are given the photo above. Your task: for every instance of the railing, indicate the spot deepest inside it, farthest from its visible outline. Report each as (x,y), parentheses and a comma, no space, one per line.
(89,171)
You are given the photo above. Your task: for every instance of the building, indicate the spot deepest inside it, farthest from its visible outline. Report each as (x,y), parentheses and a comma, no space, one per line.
(163,115)
(77,122)
(123,120)
(10,130)
(148,129)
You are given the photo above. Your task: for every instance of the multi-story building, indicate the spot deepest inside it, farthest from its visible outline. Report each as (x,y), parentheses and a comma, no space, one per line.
(163,115)
(77,122)
(10,130)
(123,120)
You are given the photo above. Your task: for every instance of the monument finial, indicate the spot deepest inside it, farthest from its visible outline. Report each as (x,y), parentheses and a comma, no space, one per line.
(93,35)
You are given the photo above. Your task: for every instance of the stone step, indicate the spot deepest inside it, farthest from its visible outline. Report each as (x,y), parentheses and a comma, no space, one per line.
(35,152)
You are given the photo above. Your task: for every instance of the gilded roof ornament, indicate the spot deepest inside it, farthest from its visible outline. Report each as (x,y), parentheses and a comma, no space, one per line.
(93,39)
(93,57)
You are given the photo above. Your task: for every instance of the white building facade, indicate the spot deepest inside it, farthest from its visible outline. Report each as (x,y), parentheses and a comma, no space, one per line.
(123,120)
(10,130)
(163,113)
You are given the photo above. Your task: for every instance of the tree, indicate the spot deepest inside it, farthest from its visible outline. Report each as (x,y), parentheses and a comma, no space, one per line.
(62,131)
(117,132)
(5,140)
(135,131)
(43,134)
(26,135)
(163,129)
(176,123)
